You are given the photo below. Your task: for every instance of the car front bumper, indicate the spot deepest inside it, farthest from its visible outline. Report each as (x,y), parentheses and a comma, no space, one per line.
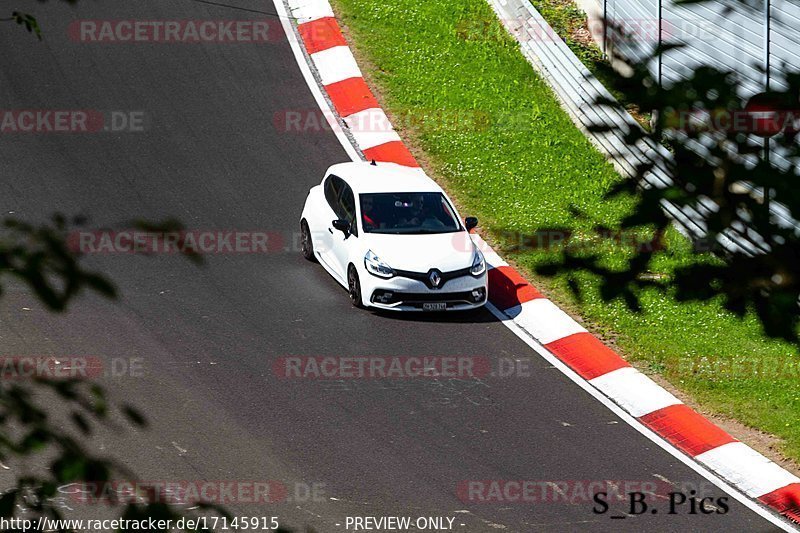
(405,294)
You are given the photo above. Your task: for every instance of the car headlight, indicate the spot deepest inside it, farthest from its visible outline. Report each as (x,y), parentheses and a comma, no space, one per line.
(376,267)
(478,264)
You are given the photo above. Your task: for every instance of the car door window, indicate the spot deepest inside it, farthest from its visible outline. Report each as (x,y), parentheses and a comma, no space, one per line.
(333,187)
(347,206)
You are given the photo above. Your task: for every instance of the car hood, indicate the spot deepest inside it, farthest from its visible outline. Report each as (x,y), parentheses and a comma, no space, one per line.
(420,253)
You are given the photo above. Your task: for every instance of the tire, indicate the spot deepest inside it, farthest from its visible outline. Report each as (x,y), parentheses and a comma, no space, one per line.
(306,242)
(354,287)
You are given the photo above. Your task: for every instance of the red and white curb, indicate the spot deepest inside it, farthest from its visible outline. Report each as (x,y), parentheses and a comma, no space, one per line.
(587,359)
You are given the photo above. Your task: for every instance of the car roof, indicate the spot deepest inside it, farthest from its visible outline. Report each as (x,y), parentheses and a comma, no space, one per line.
(383,177)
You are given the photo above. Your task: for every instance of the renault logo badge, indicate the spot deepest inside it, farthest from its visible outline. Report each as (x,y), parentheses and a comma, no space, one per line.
(435,278)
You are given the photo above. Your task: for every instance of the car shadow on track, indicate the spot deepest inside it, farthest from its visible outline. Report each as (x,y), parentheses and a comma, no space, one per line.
(472,316)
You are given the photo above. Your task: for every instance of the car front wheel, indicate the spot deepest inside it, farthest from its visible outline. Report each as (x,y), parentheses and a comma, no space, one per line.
(354,287)
(306,244)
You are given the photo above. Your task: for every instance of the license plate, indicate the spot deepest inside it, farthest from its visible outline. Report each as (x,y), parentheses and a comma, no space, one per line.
(439,306)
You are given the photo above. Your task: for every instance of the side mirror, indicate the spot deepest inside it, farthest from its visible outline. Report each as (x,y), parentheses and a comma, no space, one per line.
(342,225)
(470,223)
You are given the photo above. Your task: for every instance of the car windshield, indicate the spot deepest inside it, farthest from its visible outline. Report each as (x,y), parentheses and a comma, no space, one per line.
(407,213)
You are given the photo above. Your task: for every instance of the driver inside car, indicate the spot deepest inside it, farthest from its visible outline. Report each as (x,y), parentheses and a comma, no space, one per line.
(369,214)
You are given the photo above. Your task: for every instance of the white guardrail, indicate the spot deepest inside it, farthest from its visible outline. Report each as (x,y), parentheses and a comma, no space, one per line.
(578,90)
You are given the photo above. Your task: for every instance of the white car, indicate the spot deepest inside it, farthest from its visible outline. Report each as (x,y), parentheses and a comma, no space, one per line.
(392,237)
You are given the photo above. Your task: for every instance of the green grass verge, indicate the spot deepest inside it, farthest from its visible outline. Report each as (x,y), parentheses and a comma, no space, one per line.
(527,167)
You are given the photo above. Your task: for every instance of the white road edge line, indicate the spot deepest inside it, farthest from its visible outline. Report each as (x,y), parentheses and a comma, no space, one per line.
(519,332)
(638,426)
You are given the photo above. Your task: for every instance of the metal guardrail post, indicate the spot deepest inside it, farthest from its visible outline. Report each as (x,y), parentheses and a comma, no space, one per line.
(660,15)
(767,28)
(605,28)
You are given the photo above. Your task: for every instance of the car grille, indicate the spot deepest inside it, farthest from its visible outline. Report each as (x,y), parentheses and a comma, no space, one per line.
(424,277)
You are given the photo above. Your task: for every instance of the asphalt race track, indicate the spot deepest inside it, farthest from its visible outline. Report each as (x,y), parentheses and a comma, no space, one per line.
(211,156)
